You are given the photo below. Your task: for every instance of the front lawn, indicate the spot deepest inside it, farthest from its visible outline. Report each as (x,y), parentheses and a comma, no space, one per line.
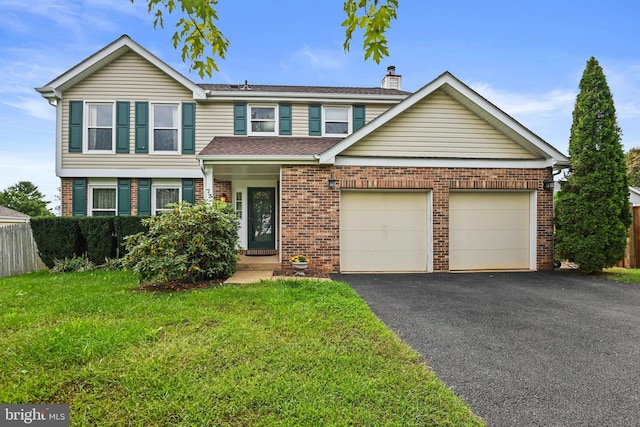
(271,353)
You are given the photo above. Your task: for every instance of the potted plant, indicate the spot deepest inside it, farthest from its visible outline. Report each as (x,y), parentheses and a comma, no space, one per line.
(299,263)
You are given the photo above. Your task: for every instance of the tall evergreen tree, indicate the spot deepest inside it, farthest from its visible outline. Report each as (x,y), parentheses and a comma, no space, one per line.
(592,209)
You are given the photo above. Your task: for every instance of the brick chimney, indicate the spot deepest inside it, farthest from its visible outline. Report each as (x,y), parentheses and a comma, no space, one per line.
(392,80)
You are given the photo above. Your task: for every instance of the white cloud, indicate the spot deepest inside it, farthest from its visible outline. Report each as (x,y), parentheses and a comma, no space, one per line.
(316,59)
(34,106)
(558,101)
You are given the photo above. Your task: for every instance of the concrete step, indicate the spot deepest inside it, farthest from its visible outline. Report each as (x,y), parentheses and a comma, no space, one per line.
(263,266)
(258,263)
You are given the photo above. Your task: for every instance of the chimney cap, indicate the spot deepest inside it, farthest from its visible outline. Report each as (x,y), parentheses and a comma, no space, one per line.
(391,70)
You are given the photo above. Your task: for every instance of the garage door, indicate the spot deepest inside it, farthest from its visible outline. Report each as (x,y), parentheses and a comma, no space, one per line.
(383,231)
(489,231)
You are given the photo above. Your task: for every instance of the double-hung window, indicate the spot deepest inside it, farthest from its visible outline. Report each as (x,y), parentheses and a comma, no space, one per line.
(263,120)
(100,127)
(103,201)
(336,121)
(165,125)
(164,195)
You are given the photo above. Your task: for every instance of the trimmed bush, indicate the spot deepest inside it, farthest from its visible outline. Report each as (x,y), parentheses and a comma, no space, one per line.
(97,238)
(124,226)
(188,243)
(98,233)
(57,238)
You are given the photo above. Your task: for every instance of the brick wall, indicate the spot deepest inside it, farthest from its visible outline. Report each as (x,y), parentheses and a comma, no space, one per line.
(66,186)
(220,188)
(311,211)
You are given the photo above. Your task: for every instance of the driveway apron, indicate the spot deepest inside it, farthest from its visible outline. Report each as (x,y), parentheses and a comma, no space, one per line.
(523,349)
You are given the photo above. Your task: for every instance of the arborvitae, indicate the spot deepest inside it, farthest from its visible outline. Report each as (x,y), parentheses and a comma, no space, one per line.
(592,209)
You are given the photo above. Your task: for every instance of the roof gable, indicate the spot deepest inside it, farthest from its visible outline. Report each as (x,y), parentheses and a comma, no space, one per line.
(458,104)
(97,61)
(10,213)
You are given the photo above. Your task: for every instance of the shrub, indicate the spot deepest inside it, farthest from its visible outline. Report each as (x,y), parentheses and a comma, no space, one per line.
(188,243)
(96,237)
(124,226)
(57,238)
(71,265)
(98,233)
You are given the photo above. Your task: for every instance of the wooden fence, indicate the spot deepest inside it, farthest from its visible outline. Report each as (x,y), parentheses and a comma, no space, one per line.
(632,255)
(18,250)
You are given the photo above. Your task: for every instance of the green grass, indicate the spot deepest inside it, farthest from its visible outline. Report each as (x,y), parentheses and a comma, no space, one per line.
(630,275)
(272,353)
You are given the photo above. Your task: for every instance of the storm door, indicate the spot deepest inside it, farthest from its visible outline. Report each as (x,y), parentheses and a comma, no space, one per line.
(261,219)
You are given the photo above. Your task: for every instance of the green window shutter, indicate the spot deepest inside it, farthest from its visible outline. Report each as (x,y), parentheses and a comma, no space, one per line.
(358,117)
(188,128)
(122,127)
(189,190)
(79,197)
(142,127)
(240,119)
(75,126)
(124,196)
(315,120)
(285,119)
(144,197)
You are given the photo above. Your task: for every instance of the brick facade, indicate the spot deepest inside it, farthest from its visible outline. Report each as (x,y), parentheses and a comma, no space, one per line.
(311,211)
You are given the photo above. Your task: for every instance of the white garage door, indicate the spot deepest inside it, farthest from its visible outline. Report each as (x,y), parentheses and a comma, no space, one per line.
(489,231)
(383,231)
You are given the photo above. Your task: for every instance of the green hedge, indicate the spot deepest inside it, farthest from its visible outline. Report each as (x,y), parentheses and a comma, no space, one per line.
(96,237)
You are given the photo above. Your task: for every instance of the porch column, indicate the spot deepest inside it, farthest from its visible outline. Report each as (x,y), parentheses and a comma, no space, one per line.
(208,182)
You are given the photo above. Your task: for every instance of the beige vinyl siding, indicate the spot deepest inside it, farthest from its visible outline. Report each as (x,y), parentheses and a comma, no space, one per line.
(373,111)
(300,120)
(128,78)
(439,126)
(212,119)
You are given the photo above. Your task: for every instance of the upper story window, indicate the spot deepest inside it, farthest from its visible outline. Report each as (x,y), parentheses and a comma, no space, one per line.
(165,125)
(103,201)
(337,121)
(100,125)
(263,120)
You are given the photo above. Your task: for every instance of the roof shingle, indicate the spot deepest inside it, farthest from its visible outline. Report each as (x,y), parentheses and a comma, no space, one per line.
(303,89)
(267,146)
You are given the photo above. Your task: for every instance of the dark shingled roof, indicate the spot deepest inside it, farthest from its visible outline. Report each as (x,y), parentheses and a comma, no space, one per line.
(303,89)
(267,146)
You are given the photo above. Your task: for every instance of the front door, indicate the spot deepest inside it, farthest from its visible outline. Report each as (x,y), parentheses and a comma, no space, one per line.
(261,221)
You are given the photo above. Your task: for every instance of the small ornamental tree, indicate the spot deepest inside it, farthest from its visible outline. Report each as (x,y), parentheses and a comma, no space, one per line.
(592,210)
(188,243)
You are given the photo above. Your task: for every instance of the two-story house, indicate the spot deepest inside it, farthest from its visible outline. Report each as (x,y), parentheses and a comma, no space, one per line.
(357,178)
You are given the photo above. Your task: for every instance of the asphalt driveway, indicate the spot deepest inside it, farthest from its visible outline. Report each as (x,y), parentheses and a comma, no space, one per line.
(523,349)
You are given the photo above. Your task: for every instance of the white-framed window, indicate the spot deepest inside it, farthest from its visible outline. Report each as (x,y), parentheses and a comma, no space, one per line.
(238,202)
(165,128)
(100,127)
(103,200)
(263,119)
(336,120)
(165,194)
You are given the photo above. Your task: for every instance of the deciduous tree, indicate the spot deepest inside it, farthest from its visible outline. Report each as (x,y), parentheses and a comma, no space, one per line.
(200,40)
(592,210)
(26,198)
(633,167)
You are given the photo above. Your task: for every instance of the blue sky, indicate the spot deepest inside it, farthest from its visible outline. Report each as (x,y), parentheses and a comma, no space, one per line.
(524,56)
